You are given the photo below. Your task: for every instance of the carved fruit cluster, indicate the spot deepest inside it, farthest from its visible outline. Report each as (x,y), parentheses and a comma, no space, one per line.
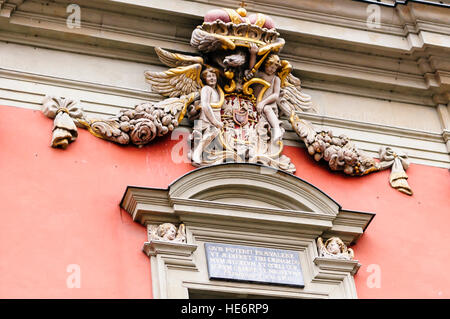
(340,153)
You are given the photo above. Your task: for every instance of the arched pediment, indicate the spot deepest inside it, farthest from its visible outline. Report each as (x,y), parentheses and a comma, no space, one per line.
(245,207)
(252,185)
(238,194)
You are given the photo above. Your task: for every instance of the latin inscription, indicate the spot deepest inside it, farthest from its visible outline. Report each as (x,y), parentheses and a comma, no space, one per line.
(254,264)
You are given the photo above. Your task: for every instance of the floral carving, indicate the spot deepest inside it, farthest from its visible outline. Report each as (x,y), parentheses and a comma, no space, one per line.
(138,126)
(342,155)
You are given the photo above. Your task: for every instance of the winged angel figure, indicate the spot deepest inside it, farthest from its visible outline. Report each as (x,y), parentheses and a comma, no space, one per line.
(236,93)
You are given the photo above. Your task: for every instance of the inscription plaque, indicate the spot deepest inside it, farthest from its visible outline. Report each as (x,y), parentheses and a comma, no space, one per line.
(254,264)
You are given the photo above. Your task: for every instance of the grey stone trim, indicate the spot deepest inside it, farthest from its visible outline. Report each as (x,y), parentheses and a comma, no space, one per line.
(272,209)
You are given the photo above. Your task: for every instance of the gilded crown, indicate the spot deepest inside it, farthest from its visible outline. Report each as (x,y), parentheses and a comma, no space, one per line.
(235,28)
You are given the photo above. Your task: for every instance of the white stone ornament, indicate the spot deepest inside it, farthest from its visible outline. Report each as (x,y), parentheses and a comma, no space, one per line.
(167,232)
(334,248)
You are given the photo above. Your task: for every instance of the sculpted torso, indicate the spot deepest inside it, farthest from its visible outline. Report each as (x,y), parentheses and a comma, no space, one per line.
(272,79)
(208,96)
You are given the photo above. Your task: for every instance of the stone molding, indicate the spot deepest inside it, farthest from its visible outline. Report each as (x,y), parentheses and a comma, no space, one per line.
(7,7)
(165,256)
(193,198)
(186,17)
(423,147)
(245,204)
(415,73)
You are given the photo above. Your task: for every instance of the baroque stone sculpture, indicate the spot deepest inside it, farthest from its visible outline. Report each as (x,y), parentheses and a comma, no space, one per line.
(233,94)
(334,248)
(167,232)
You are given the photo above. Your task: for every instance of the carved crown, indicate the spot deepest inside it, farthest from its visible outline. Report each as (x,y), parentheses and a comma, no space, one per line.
(241,30)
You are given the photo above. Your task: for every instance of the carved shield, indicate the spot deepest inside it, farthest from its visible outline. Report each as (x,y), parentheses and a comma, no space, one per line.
(240,117)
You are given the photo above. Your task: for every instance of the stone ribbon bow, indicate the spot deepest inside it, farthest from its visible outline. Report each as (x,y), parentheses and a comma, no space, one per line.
(67,115)
(399,163)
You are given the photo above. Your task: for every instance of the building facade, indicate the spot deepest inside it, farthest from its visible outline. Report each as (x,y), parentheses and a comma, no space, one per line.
(81,219)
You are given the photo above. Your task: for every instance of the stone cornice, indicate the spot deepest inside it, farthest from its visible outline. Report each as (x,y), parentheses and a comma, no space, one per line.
(422,146)
(354,68)
(122,40)
(315,118)
(152,206)
(7,7)
(370,127)
(153,248)
(330,265)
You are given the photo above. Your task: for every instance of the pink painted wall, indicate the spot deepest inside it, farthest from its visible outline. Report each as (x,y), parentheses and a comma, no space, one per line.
(61,207)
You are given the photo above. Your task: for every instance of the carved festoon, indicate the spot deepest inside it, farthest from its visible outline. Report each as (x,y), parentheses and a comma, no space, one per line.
(233,94)
(167,232)
(334,248)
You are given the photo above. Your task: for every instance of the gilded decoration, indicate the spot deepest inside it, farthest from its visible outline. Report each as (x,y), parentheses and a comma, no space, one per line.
(233,94)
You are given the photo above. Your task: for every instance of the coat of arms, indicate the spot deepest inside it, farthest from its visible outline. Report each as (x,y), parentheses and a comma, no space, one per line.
(233,93)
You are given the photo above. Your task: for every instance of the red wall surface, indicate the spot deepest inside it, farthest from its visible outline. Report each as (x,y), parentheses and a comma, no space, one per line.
(61,207)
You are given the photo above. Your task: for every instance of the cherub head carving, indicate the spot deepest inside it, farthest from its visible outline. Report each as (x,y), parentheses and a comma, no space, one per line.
(209,76)
(334,247)
(273,64)
(167,232)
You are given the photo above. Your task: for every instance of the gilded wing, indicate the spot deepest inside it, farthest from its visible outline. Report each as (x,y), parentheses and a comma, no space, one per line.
(176,82)
(175,59)
(292,97)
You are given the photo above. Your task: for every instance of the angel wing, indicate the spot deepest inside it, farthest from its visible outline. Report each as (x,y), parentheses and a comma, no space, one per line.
(181,234)
(293,99)
(182,80)
(176,59)
(321,247)
(207,42)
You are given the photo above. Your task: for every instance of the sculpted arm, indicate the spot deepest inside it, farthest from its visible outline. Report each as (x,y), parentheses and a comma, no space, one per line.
(250,72)
(253,50)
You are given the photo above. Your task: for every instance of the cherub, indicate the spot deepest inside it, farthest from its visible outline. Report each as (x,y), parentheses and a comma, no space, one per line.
(268,104)
(209,124)
(334,248)
(168,232)
(185,84)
